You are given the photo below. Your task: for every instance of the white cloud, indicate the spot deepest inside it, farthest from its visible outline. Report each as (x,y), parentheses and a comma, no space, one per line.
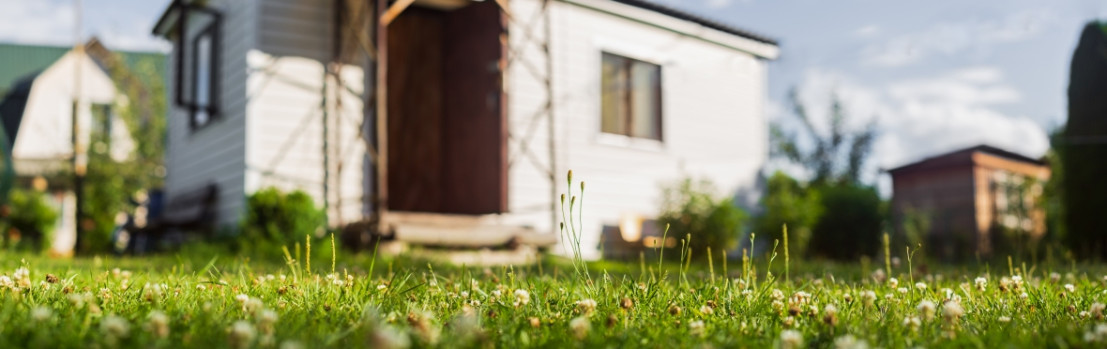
(867,31)
(52,22)
(717,4)
(923,117)
(956,38)
(40,22)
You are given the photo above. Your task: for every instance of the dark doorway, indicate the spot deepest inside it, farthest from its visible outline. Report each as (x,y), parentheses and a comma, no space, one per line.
(446,119)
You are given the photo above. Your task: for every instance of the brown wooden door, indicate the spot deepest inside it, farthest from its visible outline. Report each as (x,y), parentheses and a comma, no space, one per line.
(447,125)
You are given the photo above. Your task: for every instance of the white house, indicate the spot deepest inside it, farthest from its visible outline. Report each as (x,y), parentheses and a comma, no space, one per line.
(461,118)
(37,115)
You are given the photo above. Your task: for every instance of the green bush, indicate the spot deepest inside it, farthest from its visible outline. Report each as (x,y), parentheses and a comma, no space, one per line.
(689,207)
(30,220)
(787,201)
(279,219)
(850,226)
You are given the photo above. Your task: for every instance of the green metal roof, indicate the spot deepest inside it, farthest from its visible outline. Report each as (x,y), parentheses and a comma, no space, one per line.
(18,61)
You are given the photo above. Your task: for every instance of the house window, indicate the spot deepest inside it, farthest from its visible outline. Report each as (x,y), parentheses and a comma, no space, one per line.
(194,29)
(631,97)
(203,76)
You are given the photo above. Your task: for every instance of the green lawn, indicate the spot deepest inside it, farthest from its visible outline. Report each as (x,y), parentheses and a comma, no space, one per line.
(196,300)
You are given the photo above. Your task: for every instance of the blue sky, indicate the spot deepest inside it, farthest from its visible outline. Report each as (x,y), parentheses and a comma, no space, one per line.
(936,75)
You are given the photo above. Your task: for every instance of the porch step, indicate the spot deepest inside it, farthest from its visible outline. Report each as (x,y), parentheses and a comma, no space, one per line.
(462,231)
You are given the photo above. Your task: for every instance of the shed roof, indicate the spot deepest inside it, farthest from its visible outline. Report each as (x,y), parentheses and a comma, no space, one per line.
(963,157)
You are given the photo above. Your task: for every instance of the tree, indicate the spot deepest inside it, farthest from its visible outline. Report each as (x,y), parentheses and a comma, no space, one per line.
(787,201)
(837,156)
(1085,147)
(110,184)
(851,226)
(852,216)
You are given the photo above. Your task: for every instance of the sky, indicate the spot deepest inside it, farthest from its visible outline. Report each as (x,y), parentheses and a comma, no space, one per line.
(934,75)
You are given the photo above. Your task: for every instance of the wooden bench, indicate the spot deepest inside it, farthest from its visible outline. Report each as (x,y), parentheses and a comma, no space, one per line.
(191,211)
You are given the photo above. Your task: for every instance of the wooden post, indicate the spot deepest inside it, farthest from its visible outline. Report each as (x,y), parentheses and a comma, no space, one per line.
(382,117)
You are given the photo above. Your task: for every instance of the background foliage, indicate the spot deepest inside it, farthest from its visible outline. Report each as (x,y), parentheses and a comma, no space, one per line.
(109,185)
(29,222)
(691,207)
(787,201)
(274,219)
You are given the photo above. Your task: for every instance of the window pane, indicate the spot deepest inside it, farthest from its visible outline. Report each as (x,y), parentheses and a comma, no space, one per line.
(613,95)
(646,113)
(203,70)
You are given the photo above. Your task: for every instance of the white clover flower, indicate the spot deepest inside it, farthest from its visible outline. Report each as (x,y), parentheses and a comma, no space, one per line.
(952,311)
(242,334)
(152,292)
(1097,335)
(242,298)
(706,310)
(777,295)
(981,283)
(22,277)
(1024,296)
(580,327)
(912,322)
(1070,288)
(1097,309)
(1054,277)
(696,328)
(464,294)
(868,297)
(522,297)
(830,310)
(266,319)
(252,305)
(879,275)
(291,344)
(893,283)
(41,313)
(791,339)
(586,306)
(777,306)
(158,324)
(920,285)
(902,290)
(789,322)
(383,287)
(6,282)
(927,309)
(850,342)
(496,293)
(1083,314)
(114,326)
(1016,281)
(1004,319)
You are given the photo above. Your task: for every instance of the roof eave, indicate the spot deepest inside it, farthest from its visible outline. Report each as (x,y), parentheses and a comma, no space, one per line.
(755,45)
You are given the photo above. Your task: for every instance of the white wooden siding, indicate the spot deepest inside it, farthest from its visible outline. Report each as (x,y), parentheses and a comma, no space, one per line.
(286,112)
(713,116)
(216,153)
